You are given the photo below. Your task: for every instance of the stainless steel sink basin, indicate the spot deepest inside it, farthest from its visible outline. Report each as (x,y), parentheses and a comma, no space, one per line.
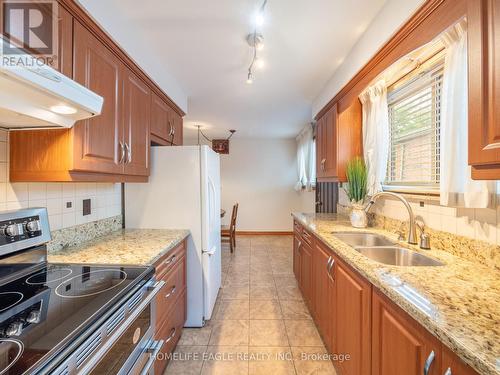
(397,256)
(364,239)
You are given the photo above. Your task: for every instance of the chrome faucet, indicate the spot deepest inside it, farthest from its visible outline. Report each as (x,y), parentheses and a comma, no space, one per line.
(412,231)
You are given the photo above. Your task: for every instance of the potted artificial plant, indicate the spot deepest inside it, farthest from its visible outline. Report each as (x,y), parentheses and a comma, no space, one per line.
(356,191)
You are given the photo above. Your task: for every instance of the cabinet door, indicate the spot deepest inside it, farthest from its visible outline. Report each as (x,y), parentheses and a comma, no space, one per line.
(160,113)
(321,285)
(399,344)
(96,140)
(296,257)
(306,273)
(452,365)
(320,147)
(483,18)
(330,153)
(65,43)
(137,116)
(352,319)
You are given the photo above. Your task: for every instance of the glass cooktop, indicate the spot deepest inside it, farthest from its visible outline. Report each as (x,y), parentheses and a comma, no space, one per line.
(47,309)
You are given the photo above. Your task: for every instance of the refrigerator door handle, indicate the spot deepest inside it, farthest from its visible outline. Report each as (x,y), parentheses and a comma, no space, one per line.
(210,253)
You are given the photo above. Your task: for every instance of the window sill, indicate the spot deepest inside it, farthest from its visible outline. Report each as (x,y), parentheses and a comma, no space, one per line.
(418,193)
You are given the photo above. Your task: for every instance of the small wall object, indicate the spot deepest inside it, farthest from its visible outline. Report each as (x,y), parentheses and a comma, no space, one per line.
(220,146)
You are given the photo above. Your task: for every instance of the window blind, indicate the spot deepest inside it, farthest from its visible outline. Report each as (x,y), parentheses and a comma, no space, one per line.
(414,124)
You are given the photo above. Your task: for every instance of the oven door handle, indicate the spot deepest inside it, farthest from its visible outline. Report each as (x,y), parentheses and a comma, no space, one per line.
(153,351)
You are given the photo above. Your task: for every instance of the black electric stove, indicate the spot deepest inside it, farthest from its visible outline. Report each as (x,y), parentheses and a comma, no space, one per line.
(48,311)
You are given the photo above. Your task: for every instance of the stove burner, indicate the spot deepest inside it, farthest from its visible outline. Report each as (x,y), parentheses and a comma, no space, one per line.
(39,277)
(88,286)
(7,357)
(10,299)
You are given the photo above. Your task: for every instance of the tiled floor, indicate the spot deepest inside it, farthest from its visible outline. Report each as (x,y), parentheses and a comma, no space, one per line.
(260,323)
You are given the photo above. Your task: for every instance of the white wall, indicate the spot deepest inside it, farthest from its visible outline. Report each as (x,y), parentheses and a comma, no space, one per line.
(105,197)
(390,18)
(260,175)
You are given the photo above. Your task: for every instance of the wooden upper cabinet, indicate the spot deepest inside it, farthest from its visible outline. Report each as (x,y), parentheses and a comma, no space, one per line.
(483,17)
(136,124)
(177,128)
(399,344)
(352,319)
(160,116)
(65,43)
(97,140)
(338,139)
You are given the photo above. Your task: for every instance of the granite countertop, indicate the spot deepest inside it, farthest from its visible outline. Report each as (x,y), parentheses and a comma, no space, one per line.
(125,246)
(460,301)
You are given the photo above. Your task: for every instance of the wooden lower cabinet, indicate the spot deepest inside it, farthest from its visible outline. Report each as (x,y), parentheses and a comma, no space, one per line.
(351,319)
(355,319)
(399,344)
(171,302)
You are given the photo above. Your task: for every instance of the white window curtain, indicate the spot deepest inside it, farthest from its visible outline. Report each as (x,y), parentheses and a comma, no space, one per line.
(306,159)
(456,186)
(375,134)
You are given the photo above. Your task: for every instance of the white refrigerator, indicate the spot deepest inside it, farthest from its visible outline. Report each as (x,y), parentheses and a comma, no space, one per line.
(184,193)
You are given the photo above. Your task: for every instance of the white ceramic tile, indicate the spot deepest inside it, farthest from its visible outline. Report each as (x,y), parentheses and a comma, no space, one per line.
(3,151)
(55,206)
(91,188)
(80,189)
(37,191)
(100,213)
(434,221)
(485,231)
(3,172)
(80,219)
(68,220)
(17,192)
(78,207)
(55,222)
(465,223)
(3,135)
(54,190)
(117,188)
(68,190)
(3,192)
(37,203)
(449,224)
(486,215)
(100,201)
(17,205)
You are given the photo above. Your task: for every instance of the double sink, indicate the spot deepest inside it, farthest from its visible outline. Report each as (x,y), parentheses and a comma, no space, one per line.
(383,250)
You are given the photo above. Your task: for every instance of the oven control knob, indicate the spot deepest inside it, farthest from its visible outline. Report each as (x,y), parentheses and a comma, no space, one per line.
(14,230)
(33,226)
(14,329)
(34,316)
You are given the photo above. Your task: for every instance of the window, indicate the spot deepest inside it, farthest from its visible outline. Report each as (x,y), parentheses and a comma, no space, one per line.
(414,105)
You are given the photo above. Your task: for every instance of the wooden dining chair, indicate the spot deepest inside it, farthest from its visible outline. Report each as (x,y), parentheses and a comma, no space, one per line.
(229,231)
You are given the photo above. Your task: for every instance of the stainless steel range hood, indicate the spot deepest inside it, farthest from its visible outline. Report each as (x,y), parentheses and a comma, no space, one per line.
(41,97)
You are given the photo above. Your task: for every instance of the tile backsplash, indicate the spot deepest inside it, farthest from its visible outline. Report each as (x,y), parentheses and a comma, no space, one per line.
(479,224)
(64,201)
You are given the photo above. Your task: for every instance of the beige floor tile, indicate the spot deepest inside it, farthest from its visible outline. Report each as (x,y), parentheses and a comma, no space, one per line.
(268,333)
(225,360)
(195,336)
(233,309)
(285,281)
(294,310)
(229,332)
(235,292)
(289,293)
(302,333)
(186,360)
(312,361)
(271,361)
(265,309)
(263,292)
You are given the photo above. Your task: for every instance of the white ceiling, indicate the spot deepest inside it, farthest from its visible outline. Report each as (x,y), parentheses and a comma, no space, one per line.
(198,48)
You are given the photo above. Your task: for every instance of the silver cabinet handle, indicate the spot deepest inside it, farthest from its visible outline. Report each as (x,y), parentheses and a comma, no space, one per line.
(172,291)
(328,264)
(171,131)
(323,164)
(428,362)
(170,260)
(448,371)
(153,351)
(122,153)
(172,335)
(129,153)
(331,265)
(299,245)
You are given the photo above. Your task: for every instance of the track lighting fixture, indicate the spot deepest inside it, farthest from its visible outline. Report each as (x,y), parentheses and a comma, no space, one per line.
(256,41)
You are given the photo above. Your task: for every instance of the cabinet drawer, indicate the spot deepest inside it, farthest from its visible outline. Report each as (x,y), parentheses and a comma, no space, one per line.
(167,262)
(307,237)
(297,228)
(170,331)
(175,283)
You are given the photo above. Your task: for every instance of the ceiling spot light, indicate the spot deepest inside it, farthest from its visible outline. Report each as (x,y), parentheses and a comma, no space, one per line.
(63,109)
(250,78)
(259,19)
(259,63)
